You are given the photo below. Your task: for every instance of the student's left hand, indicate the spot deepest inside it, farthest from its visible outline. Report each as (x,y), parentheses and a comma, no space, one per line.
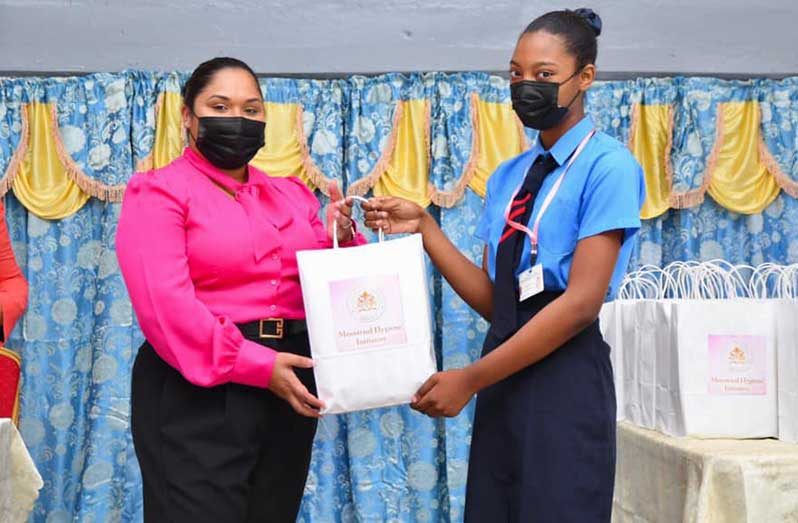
(444,394)
(340,212)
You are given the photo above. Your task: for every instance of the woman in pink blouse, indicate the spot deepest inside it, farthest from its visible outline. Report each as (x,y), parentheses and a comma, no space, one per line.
(223,404)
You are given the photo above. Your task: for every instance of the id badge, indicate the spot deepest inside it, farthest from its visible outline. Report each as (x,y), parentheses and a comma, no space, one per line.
(530,282)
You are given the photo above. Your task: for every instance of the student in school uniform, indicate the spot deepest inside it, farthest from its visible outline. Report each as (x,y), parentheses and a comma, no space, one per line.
(559,225)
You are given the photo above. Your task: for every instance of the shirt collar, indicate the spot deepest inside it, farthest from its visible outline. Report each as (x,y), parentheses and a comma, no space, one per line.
(220,178)
(568,142)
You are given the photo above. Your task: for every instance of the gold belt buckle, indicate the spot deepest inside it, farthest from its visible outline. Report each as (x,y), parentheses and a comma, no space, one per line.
(279,326)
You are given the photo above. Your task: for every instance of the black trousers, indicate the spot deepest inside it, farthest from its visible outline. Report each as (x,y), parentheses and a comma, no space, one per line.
(223,454)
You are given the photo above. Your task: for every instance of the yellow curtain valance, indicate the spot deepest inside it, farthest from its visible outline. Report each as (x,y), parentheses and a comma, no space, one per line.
(403,167)
(42,174)
(741,174)
(286,151)
(170,138)
(496,135)
(736,177)
(45,179)
(650,142)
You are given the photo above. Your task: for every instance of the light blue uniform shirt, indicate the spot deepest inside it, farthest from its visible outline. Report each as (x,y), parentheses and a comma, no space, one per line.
(603,191)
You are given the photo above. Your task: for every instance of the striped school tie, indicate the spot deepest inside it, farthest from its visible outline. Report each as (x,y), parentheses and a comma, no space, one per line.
(508,254)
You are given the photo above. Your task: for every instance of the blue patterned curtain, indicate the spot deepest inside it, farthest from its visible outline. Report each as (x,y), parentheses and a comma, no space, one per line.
(79,337)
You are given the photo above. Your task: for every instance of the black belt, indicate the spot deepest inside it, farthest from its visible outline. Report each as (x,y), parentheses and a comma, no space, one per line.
(272,328)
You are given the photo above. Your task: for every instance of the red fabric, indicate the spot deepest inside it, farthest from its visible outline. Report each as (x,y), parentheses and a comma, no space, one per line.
(9,383)
(13,287)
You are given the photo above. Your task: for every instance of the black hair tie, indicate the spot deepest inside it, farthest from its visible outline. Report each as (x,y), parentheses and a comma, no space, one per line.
(592,18)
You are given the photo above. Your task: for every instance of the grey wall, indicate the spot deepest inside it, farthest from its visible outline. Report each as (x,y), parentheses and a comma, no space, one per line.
(736,37)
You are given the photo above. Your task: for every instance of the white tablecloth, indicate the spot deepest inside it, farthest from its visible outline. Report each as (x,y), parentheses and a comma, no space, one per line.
(19,480)
(672,480)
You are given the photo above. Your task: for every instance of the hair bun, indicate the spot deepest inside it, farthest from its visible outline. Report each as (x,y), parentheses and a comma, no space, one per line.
(592,19)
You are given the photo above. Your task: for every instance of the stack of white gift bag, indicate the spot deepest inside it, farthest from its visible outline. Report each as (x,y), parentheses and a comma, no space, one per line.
(707,349)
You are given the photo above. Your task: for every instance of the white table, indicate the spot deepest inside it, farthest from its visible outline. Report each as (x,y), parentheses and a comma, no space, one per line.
(672,480)
(19,480)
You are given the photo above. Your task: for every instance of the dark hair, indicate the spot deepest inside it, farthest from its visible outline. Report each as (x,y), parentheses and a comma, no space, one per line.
(205,72)
(578,28)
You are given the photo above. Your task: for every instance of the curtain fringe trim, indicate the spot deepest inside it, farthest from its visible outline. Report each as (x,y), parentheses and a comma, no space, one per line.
(19,154)
(362,186)
(92,187)
(312,171)
(448,199)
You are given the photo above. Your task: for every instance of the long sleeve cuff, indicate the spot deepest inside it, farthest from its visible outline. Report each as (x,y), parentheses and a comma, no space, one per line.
(254,365)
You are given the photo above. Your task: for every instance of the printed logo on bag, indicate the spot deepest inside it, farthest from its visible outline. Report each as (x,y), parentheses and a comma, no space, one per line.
(738,362)
(737,365)
(367,305)
(367,312)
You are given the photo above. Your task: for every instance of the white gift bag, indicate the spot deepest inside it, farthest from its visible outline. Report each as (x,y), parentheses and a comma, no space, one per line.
(780,284)
(641,332)
(667,360)
(786,317)
(610,324)
(726,369)
(787,358)
(639,318)
(369,321)
(700,368)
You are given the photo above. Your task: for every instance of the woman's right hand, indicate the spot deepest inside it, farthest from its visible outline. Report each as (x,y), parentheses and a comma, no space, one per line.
(286,385)
(393,215)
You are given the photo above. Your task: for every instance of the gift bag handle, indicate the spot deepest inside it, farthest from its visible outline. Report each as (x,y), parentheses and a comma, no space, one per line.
(760,279)
(647,282)
(787,287)
(736,284)
(380,234)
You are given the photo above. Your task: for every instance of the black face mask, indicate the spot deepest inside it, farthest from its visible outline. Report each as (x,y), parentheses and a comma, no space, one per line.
(229,142)
(535,103)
